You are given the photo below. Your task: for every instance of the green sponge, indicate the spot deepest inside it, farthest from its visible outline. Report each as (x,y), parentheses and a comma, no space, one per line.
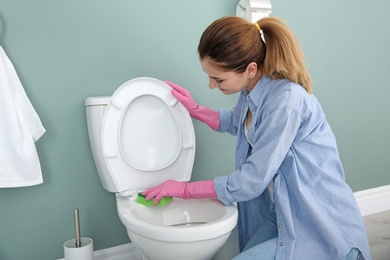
(141,199)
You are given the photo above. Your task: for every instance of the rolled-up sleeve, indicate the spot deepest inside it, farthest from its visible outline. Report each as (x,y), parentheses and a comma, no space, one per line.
(225,120)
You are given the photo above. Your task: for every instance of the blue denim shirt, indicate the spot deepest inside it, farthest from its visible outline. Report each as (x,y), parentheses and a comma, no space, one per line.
(294,146)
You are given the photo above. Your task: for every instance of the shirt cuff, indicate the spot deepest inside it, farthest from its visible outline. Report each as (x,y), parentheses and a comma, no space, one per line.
(220,184)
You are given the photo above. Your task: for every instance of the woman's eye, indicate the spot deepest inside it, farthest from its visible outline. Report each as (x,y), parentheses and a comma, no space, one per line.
(219,81)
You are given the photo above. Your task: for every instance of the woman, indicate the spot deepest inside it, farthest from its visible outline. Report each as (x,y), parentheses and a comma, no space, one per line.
(289,183)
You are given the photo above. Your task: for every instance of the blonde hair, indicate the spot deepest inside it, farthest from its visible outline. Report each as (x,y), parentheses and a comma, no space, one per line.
(233,43)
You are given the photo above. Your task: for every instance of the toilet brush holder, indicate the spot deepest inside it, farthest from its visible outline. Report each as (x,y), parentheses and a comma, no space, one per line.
(84,252)
(79,248)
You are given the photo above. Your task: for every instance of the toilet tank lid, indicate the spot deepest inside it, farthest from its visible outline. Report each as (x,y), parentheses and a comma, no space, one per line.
(97,101)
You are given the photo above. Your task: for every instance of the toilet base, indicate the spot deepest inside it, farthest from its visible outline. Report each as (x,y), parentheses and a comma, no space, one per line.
(162,250)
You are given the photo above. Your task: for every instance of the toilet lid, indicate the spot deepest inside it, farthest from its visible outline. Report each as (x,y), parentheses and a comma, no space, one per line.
(147,136)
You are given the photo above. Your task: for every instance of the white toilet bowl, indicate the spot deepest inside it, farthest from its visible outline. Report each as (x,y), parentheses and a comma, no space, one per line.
(183,229)
(140,137)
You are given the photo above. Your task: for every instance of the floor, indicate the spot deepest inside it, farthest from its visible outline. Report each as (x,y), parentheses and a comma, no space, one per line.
(378,230)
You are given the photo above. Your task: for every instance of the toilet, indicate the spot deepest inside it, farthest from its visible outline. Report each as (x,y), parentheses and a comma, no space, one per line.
(140,137)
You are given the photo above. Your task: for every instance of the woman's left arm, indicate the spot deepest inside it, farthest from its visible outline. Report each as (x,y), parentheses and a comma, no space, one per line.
(273,136)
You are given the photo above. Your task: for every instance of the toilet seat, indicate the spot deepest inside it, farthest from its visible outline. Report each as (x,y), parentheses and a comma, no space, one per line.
(147,136)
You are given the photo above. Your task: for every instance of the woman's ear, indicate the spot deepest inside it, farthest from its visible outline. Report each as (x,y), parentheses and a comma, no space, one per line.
(251,70)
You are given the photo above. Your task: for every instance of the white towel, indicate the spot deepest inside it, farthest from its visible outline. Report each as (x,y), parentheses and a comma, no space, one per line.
(20,127)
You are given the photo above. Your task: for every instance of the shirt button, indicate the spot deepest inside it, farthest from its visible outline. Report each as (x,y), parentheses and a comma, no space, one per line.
(281,244)
(280,225)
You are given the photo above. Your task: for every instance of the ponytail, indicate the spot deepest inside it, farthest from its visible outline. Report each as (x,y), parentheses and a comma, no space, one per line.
(284,57)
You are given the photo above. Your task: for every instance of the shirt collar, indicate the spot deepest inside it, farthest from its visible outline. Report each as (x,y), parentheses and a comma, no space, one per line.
(253,98)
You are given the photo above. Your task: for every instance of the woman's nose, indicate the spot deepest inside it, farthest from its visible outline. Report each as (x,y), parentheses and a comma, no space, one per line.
(212,84)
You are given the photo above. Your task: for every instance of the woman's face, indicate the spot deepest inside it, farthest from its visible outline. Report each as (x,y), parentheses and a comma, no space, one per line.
(229,82)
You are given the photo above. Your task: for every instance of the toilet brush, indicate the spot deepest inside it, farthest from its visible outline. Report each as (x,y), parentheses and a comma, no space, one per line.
(77,227)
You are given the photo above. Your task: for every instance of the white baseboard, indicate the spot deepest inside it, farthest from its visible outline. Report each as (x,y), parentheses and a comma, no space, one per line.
(370,201)
(374,200)
(122,252)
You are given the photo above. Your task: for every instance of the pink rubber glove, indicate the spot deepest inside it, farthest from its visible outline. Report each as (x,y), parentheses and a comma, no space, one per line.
(184,190)
(204,114)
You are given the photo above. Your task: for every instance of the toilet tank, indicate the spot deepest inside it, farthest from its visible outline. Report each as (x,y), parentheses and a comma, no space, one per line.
(96,107)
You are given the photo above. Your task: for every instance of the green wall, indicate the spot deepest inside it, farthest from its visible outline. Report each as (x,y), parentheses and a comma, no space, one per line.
(67,50)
